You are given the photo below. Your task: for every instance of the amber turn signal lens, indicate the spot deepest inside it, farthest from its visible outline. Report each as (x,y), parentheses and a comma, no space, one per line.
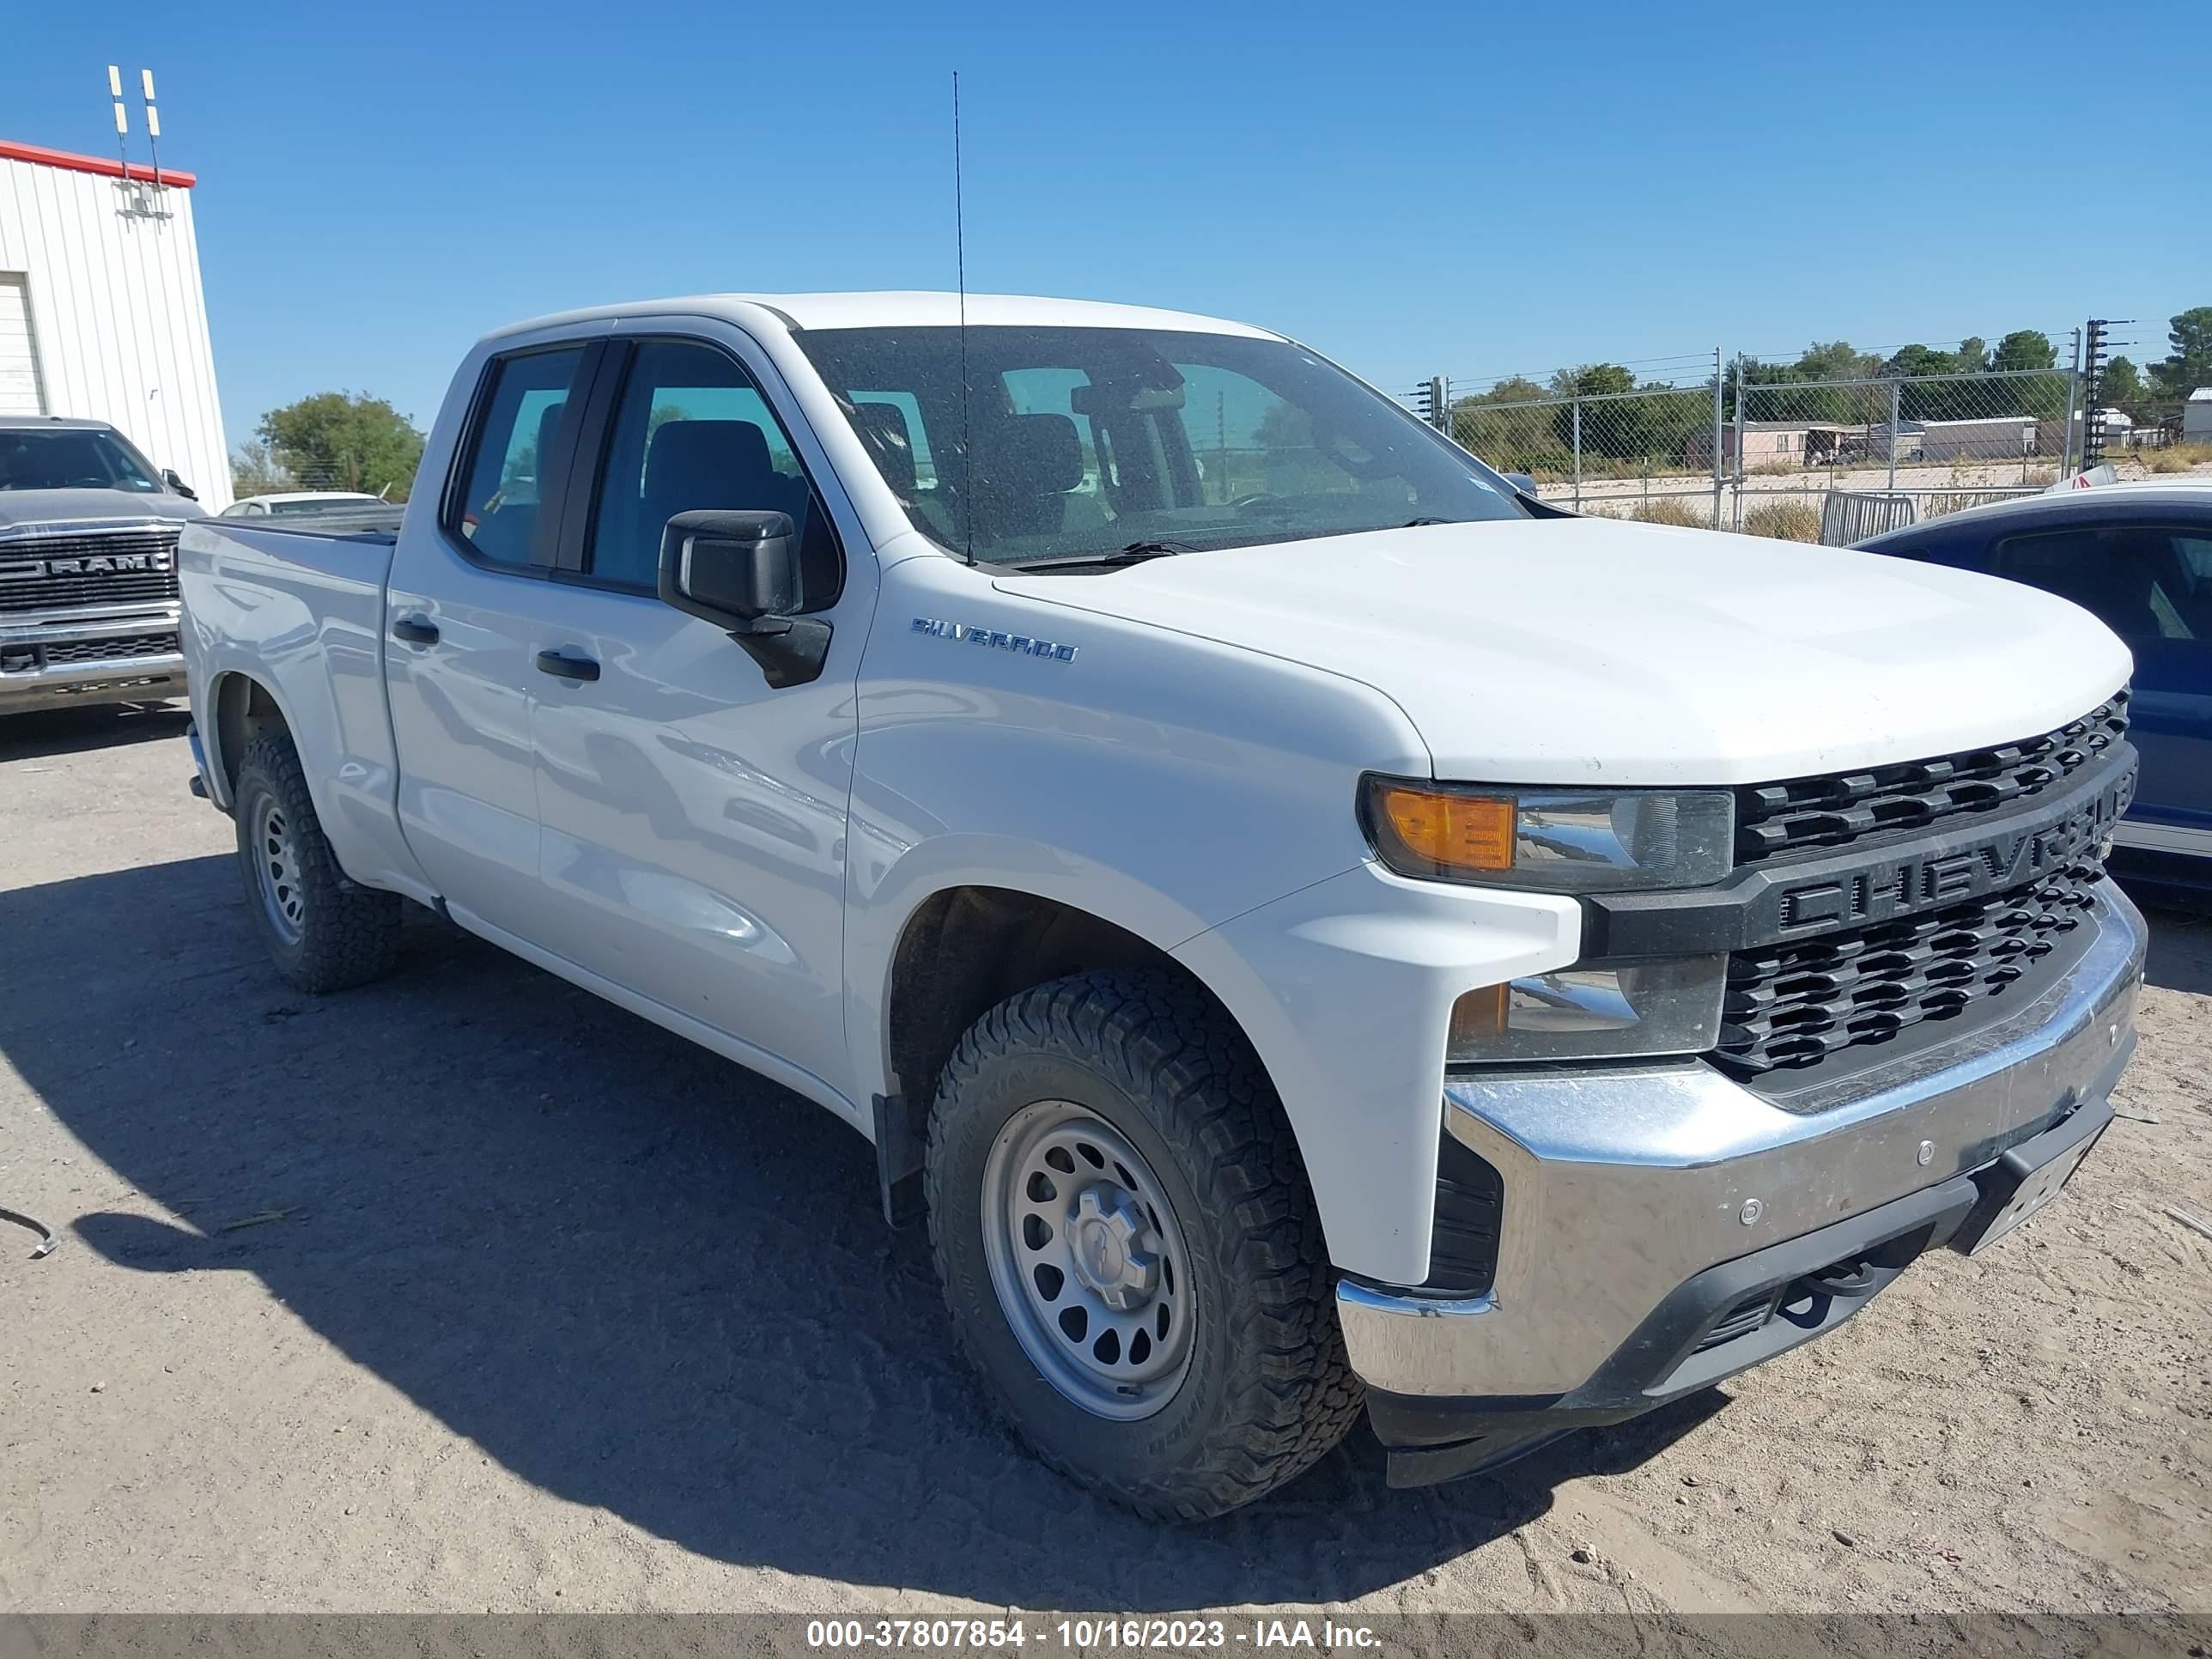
(1478,1021)
(1454,832)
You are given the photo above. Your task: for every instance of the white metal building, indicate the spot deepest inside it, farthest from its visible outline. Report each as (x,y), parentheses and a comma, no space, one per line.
(101,311)
(2196,416)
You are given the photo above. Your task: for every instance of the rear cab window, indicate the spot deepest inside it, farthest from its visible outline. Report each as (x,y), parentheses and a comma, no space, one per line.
(506,466)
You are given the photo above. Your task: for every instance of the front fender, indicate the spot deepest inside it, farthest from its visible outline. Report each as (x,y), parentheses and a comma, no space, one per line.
(1346,988)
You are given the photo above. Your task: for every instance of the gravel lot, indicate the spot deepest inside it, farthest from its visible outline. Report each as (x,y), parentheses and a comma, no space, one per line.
(535,1307)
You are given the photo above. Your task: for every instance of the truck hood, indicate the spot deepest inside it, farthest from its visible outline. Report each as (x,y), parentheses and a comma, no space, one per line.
(23,508)
(1586,650)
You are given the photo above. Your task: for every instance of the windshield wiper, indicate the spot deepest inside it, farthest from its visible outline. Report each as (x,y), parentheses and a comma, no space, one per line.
(1135,553)
(1416,524)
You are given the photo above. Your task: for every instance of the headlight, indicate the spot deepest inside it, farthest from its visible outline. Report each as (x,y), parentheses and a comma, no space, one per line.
(1550,841)
(1670,1007)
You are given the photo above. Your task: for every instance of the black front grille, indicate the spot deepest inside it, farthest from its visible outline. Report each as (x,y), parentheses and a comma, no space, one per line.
(29,580)
(112,649)
(1774,820)
(1791,1005)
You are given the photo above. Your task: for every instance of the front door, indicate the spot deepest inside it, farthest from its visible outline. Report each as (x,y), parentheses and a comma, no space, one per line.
(693,841)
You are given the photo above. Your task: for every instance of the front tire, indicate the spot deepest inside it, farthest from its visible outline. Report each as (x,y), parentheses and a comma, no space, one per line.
(1128,1246)
(323,932)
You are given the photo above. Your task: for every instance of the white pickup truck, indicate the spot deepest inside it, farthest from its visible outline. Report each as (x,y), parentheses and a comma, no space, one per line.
(1317,928)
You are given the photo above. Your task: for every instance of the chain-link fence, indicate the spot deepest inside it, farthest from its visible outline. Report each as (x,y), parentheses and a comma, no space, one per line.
(1643,453)
(1894,448)
(1753,448)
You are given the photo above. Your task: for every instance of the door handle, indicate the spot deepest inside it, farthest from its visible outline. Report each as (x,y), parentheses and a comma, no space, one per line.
(564,666)
(415,631)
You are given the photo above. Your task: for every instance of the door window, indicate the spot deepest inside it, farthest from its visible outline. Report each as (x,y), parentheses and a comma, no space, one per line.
(691,432)
(2144,582)
(513,446)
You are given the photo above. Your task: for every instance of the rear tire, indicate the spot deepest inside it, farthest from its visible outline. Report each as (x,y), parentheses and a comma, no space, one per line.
(323,931)
(1107,1160)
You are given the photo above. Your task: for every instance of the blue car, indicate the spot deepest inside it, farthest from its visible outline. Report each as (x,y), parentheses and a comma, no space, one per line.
(2140,557)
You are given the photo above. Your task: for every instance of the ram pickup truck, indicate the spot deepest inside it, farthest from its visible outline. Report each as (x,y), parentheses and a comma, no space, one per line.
(88,568)
(1316,930)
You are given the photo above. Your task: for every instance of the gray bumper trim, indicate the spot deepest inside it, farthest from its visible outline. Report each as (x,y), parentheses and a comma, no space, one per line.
(1621,1184)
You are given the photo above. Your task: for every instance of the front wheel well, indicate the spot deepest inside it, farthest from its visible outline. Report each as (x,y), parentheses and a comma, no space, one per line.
(244,710)
(968,949)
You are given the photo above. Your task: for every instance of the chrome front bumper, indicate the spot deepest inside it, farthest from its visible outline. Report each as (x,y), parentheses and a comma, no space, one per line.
(1622,1186)
(121,679)
(147,678)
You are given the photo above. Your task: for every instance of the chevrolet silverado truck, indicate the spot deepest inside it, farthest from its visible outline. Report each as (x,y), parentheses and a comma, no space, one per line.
(88,609)
(1317,930)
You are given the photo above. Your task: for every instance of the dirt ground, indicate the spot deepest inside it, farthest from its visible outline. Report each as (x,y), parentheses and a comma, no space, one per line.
(467,1291)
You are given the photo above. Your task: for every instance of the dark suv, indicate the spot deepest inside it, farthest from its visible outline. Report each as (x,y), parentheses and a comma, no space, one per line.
(2140,557)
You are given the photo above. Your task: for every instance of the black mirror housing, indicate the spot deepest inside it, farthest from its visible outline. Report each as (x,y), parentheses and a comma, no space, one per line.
(741,572)
(169,478)
(731,568)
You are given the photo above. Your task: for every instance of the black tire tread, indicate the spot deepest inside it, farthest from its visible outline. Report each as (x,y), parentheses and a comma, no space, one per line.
(1163,1040)
(352,933)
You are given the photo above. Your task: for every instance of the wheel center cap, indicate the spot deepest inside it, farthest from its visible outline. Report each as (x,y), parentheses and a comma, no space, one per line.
(1104,1258)
(1103,1238)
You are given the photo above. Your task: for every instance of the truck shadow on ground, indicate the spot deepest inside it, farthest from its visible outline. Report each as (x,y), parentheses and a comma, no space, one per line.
(2180,955)
(639,1277)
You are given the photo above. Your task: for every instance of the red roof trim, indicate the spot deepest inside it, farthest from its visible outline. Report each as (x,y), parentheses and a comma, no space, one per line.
(99,164)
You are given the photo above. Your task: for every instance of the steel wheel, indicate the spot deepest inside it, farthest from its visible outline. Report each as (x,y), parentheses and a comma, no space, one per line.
(276,871)
(1087,1260)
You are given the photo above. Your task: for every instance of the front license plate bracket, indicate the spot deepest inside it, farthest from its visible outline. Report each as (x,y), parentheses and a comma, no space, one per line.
(2027,1178)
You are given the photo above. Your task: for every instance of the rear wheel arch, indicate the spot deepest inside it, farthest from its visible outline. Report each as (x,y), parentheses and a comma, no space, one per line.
(244,710)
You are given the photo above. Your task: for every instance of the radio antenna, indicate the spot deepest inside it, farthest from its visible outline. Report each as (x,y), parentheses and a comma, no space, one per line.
(960,264)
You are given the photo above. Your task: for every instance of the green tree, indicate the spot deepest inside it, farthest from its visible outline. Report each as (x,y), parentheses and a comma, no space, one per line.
(1835,359)
(2190,364)
(255,471)
(2124,385)
(1914,360)
(347,440)
(1612,429)
(2025,348)
(1510,426)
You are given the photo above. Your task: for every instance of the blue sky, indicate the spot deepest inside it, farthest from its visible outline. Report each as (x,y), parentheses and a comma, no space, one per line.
(1414,189)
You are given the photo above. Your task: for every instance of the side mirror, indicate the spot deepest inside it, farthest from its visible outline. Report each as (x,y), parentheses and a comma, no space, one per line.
(732,569)
(741,572)
(1521,482)
(169,478)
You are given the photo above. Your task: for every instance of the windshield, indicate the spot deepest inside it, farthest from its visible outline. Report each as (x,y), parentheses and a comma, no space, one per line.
(1090,442)
(72,457)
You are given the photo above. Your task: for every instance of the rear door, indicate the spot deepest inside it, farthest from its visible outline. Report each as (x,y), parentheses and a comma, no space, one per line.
(694,818)
(466,612)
